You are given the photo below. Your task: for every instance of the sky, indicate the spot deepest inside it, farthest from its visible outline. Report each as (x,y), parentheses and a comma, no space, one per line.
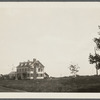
(56,34)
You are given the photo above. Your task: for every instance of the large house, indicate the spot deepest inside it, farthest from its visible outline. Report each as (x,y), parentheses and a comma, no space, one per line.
(30,70)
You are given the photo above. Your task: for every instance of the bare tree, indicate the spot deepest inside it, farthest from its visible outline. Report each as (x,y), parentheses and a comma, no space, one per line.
(74,69)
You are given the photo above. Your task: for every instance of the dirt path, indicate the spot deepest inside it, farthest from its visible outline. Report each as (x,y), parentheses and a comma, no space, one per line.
(4,89)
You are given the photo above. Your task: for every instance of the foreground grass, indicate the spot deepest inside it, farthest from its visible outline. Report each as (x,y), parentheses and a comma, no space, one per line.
(65,84)
(5,89)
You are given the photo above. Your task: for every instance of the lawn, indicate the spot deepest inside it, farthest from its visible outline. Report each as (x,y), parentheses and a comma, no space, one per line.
(64,84)
(5,89)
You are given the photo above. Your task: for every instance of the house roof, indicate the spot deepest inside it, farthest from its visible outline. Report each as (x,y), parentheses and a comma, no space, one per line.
(29,63)
(13,72)
(46,74)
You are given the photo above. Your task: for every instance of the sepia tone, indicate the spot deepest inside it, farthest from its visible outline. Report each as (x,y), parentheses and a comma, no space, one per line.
(50,47)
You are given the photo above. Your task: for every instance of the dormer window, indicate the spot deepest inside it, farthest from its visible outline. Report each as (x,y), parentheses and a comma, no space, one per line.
(29,63)
(21,64)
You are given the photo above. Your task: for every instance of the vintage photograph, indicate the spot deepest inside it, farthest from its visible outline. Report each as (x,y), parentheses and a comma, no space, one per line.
(50,47)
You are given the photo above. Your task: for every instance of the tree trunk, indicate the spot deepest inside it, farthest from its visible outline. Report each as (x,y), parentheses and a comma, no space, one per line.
(96,71)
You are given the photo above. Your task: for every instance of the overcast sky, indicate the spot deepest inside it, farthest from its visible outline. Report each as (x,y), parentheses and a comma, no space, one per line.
(56,34)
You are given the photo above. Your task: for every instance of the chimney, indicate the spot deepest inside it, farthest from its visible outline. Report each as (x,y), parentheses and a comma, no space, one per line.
(28,61)
(34,60)
(20,63)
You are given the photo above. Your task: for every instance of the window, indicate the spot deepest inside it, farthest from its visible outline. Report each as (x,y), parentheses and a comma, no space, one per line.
(28,75)
(37,75)
(25,69)
(41,75)
(28,69)
(31,69)
(31,75)
(40,70)
(22,70)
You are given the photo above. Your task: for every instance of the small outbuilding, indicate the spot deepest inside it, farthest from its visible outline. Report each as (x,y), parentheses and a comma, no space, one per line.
(12,75)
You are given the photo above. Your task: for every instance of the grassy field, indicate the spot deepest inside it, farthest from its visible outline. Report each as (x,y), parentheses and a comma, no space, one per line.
(5,89)
(65,84)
